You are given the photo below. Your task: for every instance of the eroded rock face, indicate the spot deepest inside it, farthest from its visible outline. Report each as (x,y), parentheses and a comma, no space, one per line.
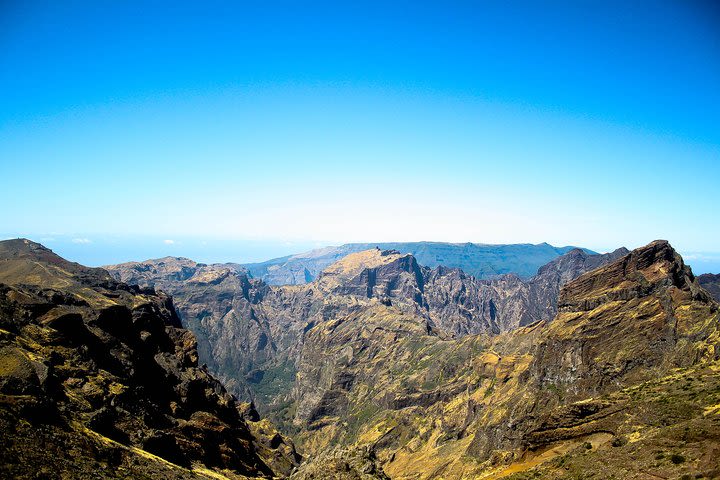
(251,335)
(622,321)
(711,283)
(628,322)
(98,360)
(384,367)
(424,403)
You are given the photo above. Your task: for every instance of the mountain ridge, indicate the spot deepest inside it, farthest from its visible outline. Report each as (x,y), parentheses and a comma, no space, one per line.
(107,369)
(499,400)
(251,334)
(478,259)
(375,367)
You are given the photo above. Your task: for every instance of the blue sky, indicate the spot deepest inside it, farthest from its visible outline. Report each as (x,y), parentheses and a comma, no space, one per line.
(289,125)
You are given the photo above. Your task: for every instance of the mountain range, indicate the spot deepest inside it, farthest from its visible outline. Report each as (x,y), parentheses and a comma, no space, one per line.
(250,334)
(479,260)
(590,366)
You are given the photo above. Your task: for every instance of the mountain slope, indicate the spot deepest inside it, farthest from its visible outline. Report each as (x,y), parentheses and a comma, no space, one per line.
(479,260)
(104,371)
(384,368)
(251,335)
(430,407)
(711,283)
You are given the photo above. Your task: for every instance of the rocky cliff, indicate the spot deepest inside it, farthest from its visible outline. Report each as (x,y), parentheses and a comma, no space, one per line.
(711,283)
(98,379)
(251,335)
(599,366)
(601,376)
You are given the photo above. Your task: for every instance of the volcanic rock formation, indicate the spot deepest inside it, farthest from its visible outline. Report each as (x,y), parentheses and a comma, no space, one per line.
(96,375)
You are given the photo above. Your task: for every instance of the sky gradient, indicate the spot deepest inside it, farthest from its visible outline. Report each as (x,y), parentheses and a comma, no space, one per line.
(287,125)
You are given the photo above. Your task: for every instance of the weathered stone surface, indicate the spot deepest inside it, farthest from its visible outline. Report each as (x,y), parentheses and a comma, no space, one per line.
(427,404)
(107,362)
(711,283)
(251,335)
(382,367)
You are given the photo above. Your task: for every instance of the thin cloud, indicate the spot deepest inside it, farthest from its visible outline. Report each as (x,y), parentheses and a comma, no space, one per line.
(169,242)
(81,241)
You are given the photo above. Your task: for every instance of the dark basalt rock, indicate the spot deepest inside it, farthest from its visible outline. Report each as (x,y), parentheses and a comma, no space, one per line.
(711,283)
(112,359)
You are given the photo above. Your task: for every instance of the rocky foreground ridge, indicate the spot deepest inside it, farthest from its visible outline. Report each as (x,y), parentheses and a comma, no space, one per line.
(99,380)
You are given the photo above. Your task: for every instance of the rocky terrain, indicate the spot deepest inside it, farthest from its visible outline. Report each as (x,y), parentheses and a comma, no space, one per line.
(629,363)
(711,283)
(479,260)
(99,380)
(251,335)
(599,366)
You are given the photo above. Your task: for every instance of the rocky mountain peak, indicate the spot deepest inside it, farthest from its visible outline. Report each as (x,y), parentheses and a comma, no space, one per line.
(636,274)
(22,246)
(355,263)
(25,250)
(105,370)
(633,314)
(35,264)
(373,273)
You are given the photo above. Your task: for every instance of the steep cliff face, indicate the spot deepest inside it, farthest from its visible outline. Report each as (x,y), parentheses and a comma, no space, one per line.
(440,407)
(641,314)
(631,321)
(711,283)
(105,370)
(383,367)
(251,335)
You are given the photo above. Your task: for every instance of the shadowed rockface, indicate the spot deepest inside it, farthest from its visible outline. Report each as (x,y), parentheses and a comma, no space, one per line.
(432,407)
(251,335)
(384,368)
(96,374)
(711,283)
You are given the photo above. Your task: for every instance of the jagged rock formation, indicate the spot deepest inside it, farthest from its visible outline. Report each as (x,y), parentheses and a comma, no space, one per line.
(711,283)
(251,335)
(479,260)
(355,463)
(384,368)
(97,378)
(458,408)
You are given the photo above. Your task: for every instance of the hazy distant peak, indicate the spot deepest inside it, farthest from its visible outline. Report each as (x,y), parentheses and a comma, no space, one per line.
(479,260)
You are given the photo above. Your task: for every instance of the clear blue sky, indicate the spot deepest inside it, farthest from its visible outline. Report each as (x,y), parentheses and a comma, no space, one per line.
(579,122)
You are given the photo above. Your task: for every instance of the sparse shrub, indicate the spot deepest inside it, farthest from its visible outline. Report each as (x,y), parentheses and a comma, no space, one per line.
(618,441)
(659,456)
(587,445)
(677,459)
